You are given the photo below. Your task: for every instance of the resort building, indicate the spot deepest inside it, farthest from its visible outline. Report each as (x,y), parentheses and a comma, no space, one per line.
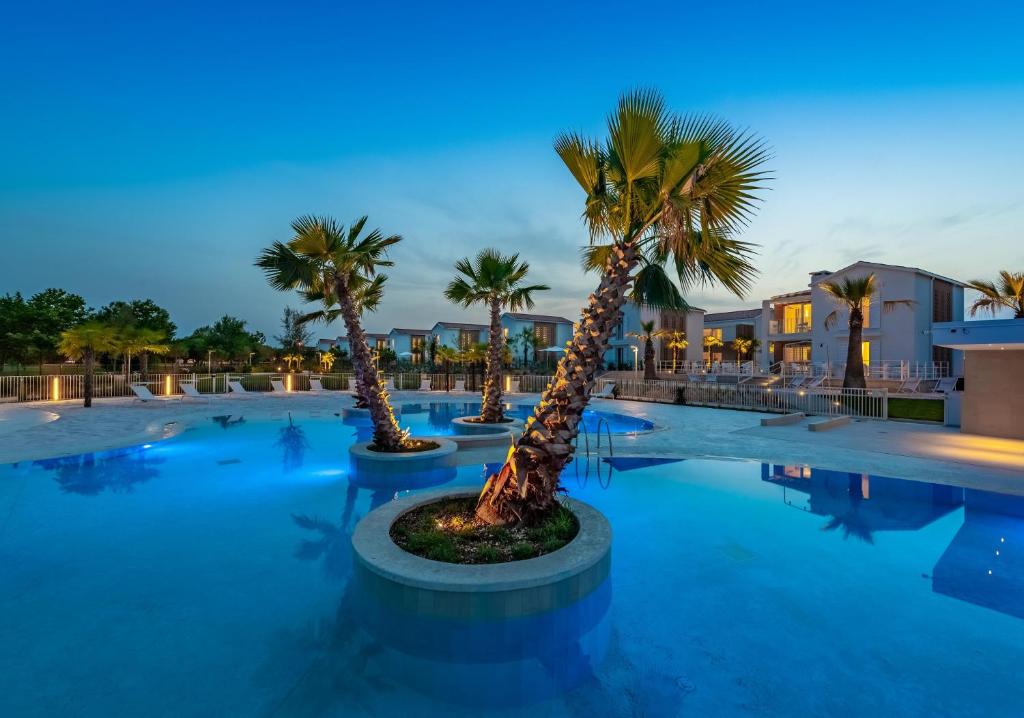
(545,330)
(621,354)
(339,343)
(459,335)
(895,343)
(729,326)
(410,344)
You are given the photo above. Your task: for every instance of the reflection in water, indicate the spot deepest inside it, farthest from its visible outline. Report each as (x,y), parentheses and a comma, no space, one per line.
(861,505)
(92,474)
(984,563)
(228,421)
(294,444)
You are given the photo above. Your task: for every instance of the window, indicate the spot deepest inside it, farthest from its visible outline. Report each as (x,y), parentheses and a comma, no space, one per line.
(467,338)
(796,318)
(417,343)
(799,352)
(942,301)
(866,311)
(865,352)
(544,334)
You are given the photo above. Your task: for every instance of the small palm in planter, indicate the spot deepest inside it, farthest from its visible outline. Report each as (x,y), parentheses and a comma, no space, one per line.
(498,282)
(647,335)
(336,263)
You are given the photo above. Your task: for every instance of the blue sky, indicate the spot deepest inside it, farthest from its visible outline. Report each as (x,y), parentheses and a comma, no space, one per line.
(152,149)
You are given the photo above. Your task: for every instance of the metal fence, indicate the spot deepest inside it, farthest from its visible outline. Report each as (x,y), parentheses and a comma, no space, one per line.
(861,403)
(60,387)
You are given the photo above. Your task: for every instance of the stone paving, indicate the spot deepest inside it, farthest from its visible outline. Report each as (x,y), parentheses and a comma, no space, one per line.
(898,449)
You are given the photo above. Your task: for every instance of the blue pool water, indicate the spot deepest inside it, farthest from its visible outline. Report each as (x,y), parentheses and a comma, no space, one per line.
(436,418)
(209,575)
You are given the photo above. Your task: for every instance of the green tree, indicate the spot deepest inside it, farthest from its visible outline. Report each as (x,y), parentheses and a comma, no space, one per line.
(325,257)
(498,282)
(294,332)
(139,341)
(647,335)
(661,189)
(227,338)
(852,294)
(141,313)
(527,341)
(85,342)
(1008,294)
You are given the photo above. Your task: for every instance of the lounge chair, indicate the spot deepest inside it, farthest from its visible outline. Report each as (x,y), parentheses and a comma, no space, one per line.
(236,387)
(909,386)
(460,385)
(142,393)
(695,378)
(946,385)
(796,382)
(514,386)
(316,386)
(815,382)
(425,383)
(606,392)
(711,378)
(189,391)
(277,387)
(389,386)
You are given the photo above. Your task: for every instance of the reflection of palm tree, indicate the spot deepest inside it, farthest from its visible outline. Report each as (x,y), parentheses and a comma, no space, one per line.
(846,513)
(227,421)
(87,475)
(293,440)
(331,544)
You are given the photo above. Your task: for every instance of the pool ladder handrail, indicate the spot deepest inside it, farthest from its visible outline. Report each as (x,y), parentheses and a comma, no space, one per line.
(601,421)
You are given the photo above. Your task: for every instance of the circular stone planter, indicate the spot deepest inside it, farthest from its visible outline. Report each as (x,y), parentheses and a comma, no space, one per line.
(381,463)
(462,425)
(431,589)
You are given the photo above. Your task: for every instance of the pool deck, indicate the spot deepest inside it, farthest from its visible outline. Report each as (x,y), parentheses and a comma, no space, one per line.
(898,449)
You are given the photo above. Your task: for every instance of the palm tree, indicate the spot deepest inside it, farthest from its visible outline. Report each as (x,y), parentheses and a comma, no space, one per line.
(85,342)
(854,294)
(326,361)
(676,341)
(498,282)
(290,359)
(447,356)
(526,339)
(662,189)
(325,258)
(744,346)
(647,335)
(1009,294)
(712,342)
(132,340)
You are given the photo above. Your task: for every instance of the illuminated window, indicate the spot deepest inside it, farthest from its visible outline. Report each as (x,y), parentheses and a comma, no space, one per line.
(865,352)
(796,318)
(866,311)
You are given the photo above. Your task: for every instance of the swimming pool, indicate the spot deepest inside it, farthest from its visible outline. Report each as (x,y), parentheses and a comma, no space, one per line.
(210,575)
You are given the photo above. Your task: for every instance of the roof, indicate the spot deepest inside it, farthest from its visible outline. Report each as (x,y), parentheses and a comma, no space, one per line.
(377,335)
(900,267)
(537,317)
(462,325)
(332,342)
(791,295)
(410,331)
(732,316)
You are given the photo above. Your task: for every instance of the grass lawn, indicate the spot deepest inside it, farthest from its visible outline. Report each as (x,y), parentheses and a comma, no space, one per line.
(918,409)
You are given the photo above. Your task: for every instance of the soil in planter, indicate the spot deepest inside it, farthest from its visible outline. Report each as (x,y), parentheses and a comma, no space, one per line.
(411,446)
(478,420)
(449,531)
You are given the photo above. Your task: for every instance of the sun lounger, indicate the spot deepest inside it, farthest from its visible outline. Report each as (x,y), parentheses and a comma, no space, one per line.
(815,382)
(711,378)
(514,386)
(946,385)
(606,392)
(425,383)
(909,386)
(189,391)
(389,386)
(460,385)
(237,388)
(316,386)
(796,382)
(695,378)
(277,387)
(142,392)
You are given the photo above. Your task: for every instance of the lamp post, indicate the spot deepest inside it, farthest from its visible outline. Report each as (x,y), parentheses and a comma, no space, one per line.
(250,357)
(636,362)
(209,361)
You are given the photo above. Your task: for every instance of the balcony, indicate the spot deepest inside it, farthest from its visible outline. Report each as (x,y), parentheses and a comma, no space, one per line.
(778,328)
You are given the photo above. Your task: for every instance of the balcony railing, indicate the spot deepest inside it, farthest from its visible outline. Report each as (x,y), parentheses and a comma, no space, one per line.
(777,327)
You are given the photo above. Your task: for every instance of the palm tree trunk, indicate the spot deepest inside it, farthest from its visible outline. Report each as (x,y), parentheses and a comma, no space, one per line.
(387,436)
(650,366)
(527,484)
(492,410)
(88,367)
(854,377)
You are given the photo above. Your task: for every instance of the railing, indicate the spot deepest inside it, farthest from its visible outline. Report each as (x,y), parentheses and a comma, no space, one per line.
(728,368)
(889,369)
(107,385)
(781,328)
(861,403)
